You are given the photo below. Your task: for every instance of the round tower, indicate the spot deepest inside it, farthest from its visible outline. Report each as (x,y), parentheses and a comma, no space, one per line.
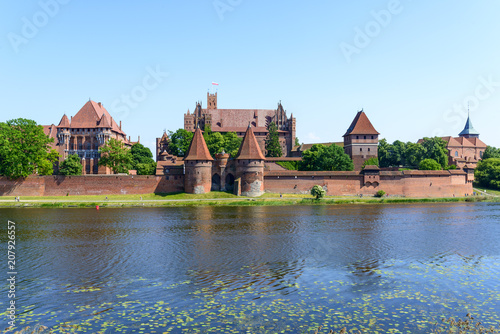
(198,166)
(250,166)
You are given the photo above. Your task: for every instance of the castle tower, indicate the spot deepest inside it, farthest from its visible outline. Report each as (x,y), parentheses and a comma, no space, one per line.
(250,166)
(198,166)
(212,101)
(469,131)
(361,140)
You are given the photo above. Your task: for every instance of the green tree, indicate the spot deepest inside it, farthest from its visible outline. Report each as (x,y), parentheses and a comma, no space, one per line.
(297,141)
(429,164)
(179,141)
(215,143)
(24,149)
(273,147)
(71,166)
(232,143)
(487,173)
(325,158)
(318,192)
(142,160)
(383,153)
(413,154)
(373,161)
(435,148)
(116,156)
(491,152)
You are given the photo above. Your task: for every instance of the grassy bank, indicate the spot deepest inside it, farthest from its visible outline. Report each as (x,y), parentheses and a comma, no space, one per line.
(214,199)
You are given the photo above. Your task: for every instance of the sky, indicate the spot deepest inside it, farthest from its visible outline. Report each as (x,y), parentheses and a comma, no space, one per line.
(414,67)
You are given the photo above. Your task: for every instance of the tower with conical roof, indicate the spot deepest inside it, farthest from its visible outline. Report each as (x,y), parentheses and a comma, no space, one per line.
(469,131)
(198,166)
(361,140)
(250,166)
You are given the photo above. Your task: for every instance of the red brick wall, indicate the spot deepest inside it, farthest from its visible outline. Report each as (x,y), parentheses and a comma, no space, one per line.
(443,184)
(90,185)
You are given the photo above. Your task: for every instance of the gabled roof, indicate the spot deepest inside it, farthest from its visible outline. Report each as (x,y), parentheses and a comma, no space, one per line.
(90,115)
(198,149)
(103,122)
(249,149)
(64,123)
(469,129)
(51,132)
(361,125)
(477,142)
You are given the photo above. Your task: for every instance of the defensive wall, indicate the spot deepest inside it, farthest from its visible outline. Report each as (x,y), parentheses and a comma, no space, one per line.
(395,183)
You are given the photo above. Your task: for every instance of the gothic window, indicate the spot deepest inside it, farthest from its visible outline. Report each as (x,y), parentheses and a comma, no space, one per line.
(456,153)
(481,154)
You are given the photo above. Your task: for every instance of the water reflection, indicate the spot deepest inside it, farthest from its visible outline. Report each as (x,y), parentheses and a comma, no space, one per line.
(316,259)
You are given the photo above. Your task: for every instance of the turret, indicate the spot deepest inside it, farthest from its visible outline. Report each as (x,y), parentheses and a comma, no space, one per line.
(361,140)
(250,166)
(198,166)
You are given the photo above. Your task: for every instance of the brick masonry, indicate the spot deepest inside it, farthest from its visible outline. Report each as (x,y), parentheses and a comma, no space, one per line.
(395,183)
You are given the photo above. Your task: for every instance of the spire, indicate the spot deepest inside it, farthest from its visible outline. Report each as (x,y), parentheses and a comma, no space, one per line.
(198,149)
(469,130)
(249,148)
(64,123)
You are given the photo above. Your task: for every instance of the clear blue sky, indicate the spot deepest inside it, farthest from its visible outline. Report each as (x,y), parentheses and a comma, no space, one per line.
(412,71)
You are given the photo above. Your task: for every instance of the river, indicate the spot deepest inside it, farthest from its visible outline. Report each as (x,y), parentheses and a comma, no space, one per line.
(377,268)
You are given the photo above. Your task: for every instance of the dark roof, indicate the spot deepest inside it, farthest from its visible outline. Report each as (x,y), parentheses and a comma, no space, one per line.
(469,129)
(249,148)
(361,125)
(198,149)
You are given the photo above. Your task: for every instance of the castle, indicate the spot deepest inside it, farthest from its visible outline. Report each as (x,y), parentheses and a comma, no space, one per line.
(237,120)
(84,134)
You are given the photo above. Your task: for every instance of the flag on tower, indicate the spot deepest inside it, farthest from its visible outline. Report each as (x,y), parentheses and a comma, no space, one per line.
(214,83)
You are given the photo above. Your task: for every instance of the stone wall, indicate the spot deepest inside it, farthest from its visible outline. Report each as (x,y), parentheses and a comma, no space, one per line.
(91,185)
(401,183)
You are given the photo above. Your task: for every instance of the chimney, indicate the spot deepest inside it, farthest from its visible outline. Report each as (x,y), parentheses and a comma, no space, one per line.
(138,139)
(128,137)
(100,104)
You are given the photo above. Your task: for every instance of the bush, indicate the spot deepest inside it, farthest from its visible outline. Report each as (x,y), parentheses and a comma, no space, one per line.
(71,166)
(380,193)
(429,164)
(373,161)
(318,192)
(290,165)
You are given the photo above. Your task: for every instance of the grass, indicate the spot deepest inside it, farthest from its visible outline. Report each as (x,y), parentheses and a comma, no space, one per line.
(217,199)
(494,192)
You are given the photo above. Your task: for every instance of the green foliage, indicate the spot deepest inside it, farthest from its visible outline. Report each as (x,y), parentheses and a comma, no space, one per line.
(435,148)
(179,141)
(325,158)
(215,143)
(273,147)
(373,161)
(297,141)
(491,152)
(71,166)
(24,149)
(116,156)
(487,173)
(411,154)
(142,160)
(451,167)
(429,164)
(380,193)
(318,192)
(232,143)
(290,165)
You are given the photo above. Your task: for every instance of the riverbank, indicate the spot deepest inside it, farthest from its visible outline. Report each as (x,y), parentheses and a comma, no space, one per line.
(214,199)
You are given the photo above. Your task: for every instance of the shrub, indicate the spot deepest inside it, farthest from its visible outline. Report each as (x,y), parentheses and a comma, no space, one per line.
(380,193)
(429,164)
(318,192)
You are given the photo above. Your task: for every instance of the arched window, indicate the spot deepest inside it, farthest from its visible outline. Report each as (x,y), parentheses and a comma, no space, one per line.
(456,153)
(481,154)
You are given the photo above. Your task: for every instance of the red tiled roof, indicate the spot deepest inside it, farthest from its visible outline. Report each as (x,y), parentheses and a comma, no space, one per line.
(238,118)
(198,149)
(249,148)
(90,115)
(103,122)
(64,123)
(477,142)
(51,132)
(464,142)
(361,125)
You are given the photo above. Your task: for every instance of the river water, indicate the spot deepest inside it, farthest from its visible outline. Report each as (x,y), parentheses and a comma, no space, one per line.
(377,268)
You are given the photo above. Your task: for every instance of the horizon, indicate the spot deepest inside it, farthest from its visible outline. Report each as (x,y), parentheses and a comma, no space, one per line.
(415,69)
